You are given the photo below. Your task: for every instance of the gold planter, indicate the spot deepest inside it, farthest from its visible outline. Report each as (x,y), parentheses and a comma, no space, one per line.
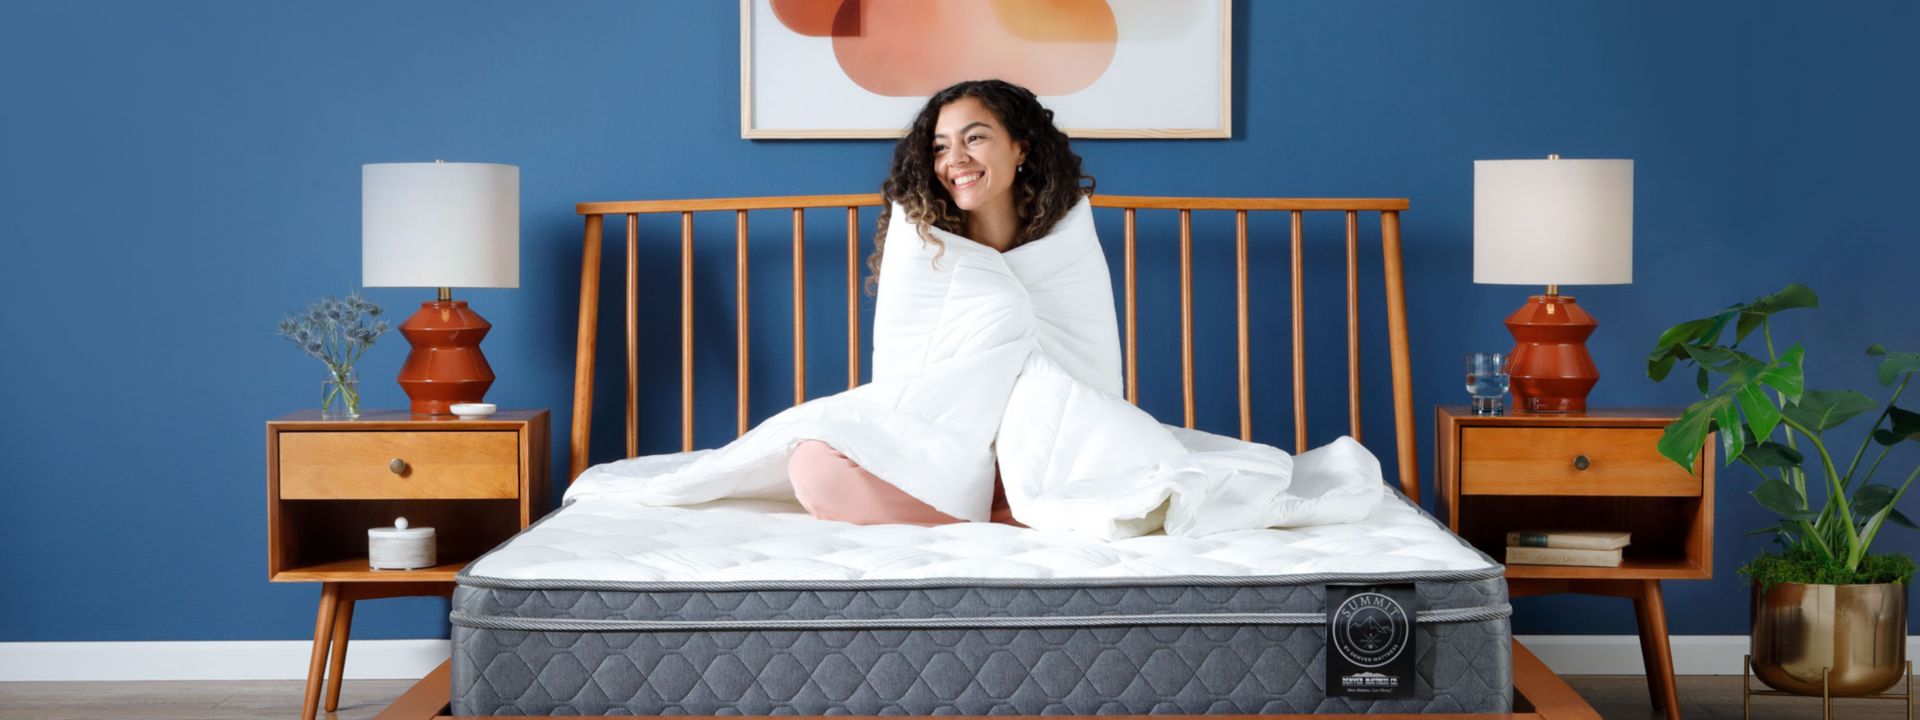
(1837,640)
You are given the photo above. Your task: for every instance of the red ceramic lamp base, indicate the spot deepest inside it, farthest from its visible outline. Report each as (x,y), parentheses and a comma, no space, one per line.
(445,365)
(1550,368)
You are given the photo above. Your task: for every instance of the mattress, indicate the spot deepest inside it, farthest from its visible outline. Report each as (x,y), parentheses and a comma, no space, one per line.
(749,607)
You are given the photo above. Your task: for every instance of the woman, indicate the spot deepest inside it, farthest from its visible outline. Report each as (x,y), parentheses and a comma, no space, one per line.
(982,160)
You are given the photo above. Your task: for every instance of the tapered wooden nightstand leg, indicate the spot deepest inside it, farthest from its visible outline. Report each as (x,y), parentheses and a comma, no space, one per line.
(1647,661)
(322,640)
(342,628)
(1652,614)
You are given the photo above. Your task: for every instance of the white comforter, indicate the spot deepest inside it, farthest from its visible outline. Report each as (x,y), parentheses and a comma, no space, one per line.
(981,356)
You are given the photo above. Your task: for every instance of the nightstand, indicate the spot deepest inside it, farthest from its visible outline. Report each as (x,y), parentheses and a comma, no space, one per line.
(1598,470)
(476,482)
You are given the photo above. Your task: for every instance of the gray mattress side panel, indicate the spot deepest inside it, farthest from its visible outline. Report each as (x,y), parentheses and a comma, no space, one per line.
(1462,667)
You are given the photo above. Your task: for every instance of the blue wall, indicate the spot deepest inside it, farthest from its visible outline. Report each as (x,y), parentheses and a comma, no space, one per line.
(175,176)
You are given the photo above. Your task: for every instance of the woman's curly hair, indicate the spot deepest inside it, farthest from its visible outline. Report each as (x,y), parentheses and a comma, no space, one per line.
(1044,191)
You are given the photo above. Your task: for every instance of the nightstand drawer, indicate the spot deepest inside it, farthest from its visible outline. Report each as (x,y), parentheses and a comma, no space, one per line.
(1614,461)
(430,465)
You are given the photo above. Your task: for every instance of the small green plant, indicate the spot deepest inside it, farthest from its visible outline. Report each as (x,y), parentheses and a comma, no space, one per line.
(1768,421)
(1798,565)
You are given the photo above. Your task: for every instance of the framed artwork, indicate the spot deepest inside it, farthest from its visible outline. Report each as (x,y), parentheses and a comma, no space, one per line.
(1107,68)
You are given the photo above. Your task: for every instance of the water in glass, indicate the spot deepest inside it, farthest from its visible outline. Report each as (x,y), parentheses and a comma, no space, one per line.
(1487,382)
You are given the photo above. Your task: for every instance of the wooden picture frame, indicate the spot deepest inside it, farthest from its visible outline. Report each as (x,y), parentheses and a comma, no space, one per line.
(802,87)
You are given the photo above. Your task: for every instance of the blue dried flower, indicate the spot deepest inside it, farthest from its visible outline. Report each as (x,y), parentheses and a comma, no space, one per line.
(335,330)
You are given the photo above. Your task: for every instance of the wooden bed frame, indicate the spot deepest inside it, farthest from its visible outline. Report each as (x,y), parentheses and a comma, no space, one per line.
(1540,695)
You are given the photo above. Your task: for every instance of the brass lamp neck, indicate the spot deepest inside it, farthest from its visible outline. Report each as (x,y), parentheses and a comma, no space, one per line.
(1552,291)
(446,294)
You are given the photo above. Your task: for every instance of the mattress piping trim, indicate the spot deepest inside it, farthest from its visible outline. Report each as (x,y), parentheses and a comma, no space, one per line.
(488,622)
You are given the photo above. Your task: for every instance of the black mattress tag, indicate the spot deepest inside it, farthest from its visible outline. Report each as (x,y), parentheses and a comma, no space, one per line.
(1370,640)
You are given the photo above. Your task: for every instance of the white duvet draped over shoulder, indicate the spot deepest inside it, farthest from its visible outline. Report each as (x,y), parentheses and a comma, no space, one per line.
(982,356)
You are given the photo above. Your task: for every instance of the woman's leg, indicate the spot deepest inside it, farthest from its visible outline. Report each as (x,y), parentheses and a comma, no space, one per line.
(832,487)
(1002,511)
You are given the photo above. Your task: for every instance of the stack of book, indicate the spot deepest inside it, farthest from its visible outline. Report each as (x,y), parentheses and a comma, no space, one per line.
(1566,547)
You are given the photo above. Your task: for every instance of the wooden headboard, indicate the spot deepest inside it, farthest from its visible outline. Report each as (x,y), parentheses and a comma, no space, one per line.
(1388,208)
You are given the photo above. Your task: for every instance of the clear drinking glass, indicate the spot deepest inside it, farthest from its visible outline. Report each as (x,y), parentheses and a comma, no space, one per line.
(1487,382)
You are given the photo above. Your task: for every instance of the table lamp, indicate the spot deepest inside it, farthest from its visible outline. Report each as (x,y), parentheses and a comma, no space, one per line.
(1552,222)
(441,225)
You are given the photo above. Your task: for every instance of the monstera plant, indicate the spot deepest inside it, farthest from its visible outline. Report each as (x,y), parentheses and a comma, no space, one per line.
(1830,510)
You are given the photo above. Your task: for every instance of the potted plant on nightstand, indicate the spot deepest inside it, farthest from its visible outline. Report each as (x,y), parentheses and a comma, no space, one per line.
(1827,615)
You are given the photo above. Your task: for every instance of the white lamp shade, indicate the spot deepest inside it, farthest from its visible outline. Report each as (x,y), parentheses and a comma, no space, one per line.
(440,224)
(1553,222)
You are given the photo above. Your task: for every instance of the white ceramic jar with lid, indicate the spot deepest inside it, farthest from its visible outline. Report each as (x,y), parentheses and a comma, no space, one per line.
(400,547)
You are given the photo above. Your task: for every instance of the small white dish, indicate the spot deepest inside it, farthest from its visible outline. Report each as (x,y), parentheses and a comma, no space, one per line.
(472,411)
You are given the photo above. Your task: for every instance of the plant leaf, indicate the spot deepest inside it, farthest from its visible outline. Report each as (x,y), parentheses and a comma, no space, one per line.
(1899,518)
(1743,370)
(1871,499)
(1754,314)
(1785,374)
(1778,496)
(1772,454)
(1700,381)
(1674,343)
(1768,530)
(1906,425)
(1725,361)
(1822,410)
(1659,365)
(1794,295)
(1749,321)
(1733,438)
(1686,332)
(1762,415)
(1683,438)
(1710,336)
(1905,422)
(1895,364)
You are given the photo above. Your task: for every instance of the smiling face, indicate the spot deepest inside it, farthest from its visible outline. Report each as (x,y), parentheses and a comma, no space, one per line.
(974,157)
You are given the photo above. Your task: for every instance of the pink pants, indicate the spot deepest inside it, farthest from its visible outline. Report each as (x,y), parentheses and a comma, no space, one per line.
(832,487)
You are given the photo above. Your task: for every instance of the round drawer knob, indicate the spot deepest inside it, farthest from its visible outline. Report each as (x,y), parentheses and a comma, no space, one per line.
(1580,462)
(399,467)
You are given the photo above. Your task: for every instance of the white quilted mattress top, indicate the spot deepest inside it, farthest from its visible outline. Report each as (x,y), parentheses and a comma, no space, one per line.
(747,540)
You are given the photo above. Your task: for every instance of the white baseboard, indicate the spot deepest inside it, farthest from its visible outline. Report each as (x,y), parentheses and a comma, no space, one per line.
(401,659)
(220,660)
(1620,654)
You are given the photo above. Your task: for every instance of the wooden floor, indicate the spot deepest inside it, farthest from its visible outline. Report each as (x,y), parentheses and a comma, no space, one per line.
(1701,698)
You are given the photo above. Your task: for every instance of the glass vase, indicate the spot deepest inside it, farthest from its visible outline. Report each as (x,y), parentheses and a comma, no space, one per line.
(340,396)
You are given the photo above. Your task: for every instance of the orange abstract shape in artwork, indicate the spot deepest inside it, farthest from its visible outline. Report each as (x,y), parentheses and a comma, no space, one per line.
(1057,20)
(913,48)
(819,18)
